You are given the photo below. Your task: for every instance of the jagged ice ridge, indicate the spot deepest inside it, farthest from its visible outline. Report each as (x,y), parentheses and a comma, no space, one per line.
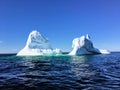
(37,45)
(84,45)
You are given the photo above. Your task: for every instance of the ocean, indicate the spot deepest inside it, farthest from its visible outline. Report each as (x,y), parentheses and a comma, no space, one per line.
(85,72)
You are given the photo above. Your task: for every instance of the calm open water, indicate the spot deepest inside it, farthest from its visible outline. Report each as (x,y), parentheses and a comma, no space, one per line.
(88,72)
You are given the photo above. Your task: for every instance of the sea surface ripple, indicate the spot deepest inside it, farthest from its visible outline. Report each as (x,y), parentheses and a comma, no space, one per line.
(85,72)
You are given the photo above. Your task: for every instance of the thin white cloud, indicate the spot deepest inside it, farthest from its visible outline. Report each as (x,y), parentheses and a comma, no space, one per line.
(1,41)
(14,49)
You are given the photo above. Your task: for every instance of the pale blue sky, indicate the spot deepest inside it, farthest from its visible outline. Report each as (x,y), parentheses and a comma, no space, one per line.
(60,21)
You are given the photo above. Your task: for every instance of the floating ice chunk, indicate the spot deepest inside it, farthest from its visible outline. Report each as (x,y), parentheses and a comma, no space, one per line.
(104,51)
(37,45)
(84,45)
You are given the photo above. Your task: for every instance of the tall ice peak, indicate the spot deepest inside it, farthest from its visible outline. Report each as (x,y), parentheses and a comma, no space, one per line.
(37,41)
(37,45)
(84,45)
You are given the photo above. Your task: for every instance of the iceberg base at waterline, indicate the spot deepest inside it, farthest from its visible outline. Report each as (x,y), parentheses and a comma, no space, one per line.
(84,45)
(36,52)
(37,45)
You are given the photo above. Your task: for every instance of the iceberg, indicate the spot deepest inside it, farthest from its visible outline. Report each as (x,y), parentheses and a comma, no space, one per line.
(84,45)
(37,45)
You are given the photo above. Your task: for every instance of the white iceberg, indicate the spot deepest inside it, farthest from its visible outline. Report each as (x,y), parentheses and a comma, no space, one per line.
(84,45)
(37,45)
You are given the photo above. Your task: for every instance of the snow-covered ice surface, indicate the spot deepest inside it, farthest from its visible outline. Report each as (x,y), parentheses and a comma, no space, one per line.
(84,45)
(37,45)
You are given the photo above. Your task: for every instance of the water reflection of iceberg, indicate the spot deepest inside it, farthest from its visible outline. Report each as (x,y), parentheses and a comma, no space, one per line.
(81,66)
(77,65)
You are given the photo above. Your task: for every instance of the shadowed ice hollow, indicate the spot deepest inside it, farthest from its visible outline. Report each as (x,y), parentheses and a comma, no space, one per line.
(37,45)
(84,45)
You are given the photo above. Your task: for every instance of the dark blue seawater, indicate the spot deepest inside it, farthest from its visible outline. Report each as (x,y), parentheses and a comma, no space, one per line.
(88,72)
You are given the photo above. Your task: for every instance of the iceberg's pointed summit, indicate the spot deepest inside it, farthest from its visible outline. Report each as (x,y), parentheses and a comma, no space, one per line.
(37,41)
(88,37)
(37,45)
(84,45)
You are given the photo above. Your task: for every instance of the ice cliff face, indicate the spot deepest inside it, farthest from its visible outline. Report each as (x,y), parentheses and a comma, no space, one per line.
(37,45)
(84,45)
(37,41)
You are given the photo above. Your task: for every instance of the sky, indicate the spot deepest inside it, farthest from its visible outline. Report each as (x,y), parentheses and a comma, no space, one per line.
(60,21)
